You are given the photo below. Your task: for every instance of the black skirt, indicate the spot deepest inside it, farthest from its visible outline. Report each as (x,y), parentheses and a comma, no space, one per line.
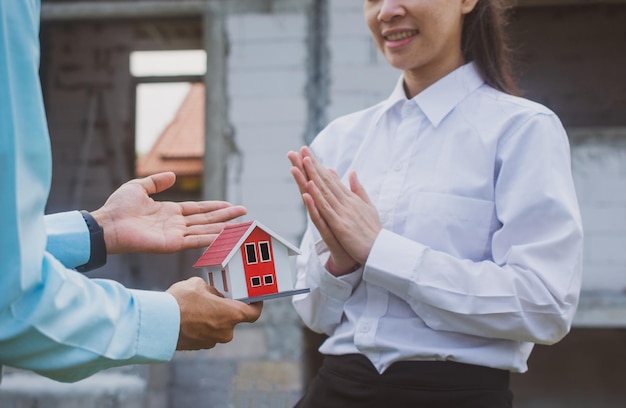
(352,381)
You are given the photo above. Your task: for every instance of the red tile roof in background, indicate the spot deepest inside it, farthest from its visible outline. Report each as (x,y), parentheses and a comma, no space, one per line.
(180,147)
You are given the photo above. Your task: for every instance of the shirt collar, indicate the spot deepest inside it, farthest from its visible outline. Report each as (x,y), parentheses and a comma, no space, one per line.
(397,95)
(439,99)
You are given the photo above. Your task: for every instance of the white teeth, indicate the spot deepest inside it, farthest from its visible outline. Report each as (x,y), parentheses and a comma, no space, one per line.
(400,36)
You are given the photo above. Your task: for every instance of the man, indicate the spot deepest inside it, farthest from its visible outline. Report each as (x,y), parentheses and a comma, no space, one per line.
(54,320)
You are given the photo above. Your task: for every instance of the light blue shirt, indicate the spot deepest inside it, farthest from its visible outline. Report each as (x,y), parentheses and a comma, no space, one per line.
(481,249)
(54,320)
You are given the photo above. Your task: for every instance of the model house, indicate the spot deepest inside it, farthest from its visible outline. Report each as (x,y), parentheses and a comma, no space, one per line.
(249,262)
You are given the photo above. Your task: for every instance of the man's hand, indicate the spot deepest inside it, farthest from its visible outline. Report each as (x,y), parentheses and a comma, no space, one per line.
(133,222)
(206,317)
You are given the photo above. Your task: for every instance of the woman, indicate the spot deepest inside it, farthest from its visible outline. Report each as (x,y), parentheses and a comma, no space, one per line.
(459,244)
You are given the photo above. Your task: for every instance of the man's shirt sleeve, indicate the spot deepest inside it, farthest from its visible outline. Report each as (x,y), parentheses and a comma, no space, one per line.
(68,238)
(54,320)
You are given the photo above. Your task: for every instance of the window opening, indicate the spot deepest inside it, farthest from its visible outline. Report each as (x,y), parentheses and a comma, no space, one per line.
(224,280)
(264,250)
(251,254)
(170,114)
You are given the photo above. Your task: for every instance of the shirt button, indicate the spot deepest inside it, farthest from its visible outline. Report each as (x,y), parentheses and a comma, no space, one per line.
(397,167)
(365,327)
(408,109)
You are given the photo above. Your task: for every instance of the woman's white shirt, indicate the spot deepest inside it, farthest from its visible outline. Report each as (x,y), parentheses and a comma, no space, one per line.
(480,254)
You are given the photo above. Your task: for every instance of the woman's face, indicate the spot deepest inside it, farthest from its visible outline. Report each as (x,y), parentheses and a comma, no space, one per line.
(422,37)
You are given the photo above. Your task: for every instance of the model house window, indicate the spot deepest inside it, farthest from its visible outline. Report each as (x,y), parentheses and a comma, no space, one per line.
(268,280)
(211,283)
(264,249)
(224,280)
(255,281)
(251,253)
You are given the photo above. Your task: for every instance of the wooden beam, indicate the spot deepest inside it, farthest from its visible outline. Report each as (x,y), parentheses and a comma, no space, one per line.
(98,10)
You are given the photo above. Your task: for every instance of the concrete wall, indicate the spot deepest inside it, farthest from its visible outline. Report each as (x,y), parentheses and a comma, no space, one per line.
(266,81)
(599,163)
(267,109)
(359,74)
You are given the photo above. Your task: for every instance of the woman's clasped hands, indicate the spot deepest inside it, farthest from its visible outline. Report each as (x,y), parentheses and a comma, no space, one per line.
(347,220)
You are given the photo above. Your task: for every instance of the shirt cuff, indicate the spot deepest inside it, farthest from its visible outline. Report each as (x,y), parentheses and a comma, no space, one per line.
(97,246)
(159,325)
(335,287)
(68,238)
(392,263)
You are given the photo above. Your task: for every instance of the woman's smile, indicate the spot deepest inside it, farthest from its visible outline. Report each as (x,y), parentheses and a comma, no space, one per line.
(399,38)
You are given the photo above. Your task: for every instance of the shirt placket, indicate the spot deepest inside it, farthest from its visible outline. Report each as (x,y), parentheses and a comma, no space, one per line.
(402,133)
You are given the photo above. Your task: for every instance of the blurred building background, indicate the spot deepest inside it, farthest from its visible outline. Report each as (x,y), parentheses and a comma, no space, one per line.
(276,72)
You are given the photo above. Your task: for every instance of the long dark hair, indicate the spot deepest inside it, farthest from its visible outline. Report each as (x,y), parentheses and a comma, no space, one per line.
(486,43)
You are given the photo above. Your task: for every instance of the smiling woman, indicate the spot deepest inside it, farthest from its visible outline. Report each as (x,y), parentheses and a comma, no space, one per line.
(436,269)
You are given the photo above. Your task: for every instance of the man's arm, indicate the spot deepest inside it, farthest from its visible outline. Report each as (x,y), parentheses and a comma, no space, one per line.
(131,221)
(54,320)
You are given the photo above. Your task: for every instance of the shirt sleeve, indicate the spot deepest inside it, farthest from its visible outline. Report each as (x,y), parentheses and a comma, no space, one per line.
(67,238)
(67,327)
(54,320)
(529,289)
(322,308)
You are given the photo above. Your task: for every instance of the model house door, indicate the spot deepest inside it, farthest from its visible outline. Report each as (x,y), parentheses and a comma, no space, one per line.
(258,260)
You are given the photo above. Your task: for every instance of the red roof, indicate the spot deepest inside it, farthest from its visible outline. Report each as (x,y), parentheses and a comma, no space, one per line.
(230,240)
(180,147)
(223,244)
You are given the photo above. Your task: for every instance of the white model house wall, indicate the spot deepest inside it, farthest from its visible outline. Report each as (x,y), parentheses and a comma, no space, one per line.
(283,266)
(235,279)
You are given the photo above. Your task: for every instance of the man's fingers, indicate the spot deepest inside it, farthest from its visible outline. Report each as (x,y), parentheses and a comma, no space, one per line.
(213,291)
(251,312)
(205,229)
(157,183)
(200,207)
(215,216)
